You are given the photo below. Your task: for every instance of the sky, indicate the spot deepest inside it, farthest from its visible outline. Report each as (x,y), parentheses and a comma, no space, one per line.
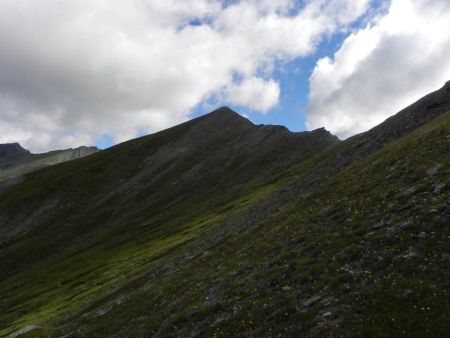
(99,72)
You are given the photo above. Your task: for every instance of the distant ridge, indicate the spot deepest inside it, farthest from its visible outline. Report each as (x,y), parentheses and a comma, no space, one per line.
(15,161)
(12,150)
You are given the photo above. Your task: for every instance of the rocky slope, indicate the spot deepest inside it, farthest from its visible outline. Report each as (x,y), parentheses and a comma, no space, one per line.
(218,227)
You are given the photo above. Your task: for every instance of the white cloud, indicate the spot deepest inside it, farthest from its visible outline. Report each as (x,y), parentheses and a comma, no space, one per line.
(255,93)
(382,68)
(72,71)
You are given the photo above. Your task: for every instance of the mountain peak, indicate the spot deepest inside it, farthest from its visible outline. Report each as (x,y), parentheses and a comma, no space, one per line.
(12,149)
(224,109)
(225,112)
(223,117)
(320,131)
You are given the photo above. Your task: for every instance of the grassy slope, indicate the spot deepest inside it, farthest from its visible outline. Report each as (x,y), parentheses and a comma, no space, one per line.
(160,279)
(56,273)
(320,266)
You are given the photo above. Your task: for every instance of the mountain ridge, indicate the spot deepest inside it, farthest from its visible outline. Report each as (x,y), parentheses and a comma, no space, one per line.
(221,227)
(15,161)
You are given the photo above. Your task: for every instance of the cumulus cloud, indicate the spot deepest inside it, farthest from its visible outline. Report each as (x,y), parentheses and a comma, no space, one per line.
(382,68)
(72,71)
(255,93)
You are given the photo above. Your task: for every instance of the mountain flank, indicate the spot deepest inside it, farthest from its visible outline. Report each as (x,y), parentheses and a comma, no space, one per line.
(219,227)
(15,161)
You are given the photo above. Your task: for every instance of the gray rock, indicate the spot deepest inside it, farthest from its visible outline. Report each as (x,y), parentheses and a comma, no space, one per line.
(22,331)
(378,225)
(438,188)
(101,312)
(411,253)
(347,268)
(411,190)
(312,300)
(327,314)
(422,235)
(404,224)
(120,300)
(369,234)
(327,301)
(434,170)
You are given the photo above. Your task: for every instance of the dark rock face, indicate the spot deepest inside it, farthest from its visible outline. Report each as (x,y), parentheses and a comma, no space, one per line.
(12,150)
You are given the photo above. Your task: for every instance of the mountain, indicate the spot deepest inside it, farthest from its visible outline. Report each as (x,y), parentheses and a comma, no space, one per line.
(11,150)
(15,161)
(219,227)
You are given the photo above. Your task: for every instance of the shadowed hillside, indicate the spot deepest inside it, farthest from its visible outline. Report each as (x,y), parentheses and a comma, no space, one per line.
(219,227)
